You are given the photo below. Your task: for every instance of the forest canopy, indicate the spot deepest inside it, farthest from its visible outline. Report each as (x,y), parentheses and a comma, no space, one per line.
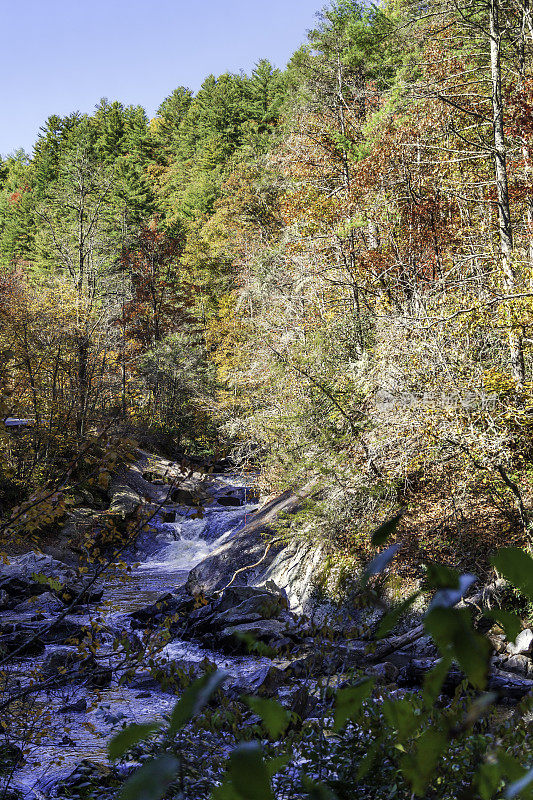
(324,269)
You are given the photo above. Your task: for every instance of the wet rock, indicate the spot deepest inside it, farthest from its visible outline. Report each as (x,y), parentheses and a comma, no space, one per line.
(5,600)
(237,608)
(24,568)
(266,680)
(145,681)
(11,756)
(523,644)
(78,707)
(308,665)
(87,774)
(413,673)
(63,663)
(78,594)
(96,676)
(400,658)
(65,631)
(299,701)
(42,602)
(180,602)
(22,644)
(235,595)
(247,550)
(225,619)
(185,497)
(229,500)
(520,664)
(511,688)
(240,637)
(384,673)
(16,589)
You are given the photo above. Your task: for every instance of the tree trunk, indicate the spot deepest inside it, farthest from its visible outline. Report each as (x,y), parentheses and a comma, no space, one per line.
(83,387)
(500,166)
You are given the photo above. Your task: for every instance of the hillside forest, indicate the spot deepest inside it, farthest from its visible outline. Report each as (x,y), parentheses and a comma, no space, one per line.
(322,273)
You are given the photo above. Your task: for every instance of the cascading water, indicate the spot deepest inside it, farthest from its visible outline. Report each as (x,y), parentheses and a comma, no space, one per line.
(161,560)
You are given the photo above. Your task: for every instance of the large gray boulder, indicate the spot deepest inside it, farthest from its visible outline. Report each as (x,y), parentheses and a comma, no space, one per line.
(256,555)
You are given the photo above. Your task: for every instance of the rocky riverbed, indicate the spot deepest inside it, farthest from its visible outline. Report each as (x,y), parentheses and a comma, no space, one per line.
(84,654)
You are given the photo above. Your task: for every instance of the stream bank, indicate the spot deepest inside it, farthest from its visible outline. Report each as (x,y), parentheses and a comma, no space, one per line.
(140,636)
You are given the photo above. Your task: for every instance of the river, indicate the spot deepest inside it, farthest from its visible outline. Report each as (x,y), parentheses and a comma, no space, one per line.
(160,562)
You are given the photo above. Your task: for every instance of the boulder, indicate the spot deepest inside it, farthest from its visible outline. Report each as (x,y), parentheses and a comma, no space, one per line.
(384,673)
(238,637)
(124,499)
(246,558)
(179,602)
(266,681)
(267,600)
(22,643)
(42,602)
(299,701)
(64,630)
(16,588)
(11,756)
(523,644)
(229,500)
(184,497)
(309,665)
(520,664)
(63,663)
(79,594)
(237,606)
(76,708)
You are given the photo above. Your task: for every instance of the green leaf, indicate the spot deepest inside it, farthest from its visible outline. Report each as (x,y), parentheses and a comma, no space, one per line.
(390,620)
(451,628)
(402,717)
(194,698)
(479,706)
(380,562)
(511,623)
(517,787)
(418,767)
(488,780)
(316,791)
(434,679)
(134,733)
(439,576)
(367,762)
(249,774)
(517,567)
(446,598)
(510,766)
(277,763)
(382,533)
(151,781)
(46,580)
(349,700)
(275,717)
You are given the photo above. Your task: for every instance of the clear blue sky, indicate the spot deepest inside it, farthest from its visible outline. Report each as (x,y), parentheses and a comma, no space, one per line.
(59,56)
